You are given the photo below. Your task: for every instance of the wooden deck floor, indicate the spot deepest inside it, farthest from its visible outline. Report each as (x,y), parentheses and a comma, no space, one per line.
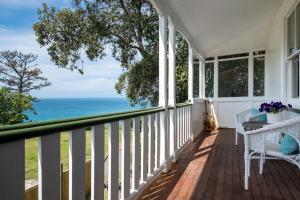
(211,167)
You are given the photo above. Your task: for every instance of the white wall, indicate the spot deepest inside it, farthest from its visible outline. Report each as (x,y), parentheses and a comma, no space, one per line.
(198,109)
(227,109)
(276,50)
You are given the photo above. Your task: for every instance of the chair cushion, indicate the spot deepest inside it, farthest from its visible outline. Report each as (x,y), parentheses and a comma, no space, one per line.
(262,118)
(289,145)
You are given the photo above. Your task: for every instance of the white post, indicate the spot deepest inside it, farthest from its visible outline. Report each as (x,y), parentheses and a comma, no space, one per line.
(191,75)
(190,86)
(201,79)
(250,75)
(172,88)
(163,99)
(216,77)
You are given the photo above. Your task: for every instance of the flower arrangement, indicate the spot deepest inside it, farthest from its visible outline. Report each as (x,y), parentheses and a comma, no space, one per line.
(274,107)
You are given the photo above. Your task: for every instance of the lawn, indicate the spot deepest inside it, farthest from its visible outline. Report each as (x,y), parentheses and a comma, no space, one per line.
(31,153)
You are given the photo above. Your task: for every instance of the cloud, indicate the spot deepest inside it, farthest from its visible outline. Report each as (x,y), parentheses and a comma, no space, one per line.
(17,4)
(98,80)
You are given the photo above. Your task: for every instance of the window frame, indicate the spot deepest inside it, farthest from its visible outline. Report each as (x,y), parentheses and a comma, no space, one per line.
(250,96)
(289,57)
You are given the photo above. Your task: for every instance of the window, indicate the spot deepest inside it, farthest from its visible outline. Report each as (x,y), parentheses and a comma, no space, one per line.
(209,80)
(291,34)
(259,76)
(233,78)
(295,77)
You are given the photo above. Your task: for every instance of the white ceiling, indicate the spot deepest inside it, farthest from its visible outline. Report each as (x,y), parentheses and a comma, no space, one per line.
(219,27)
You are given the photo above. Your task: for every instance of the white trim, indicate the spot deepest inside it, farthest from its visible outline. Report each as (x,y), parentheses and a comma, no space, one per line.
(251,75)
(216,77)
(190,74)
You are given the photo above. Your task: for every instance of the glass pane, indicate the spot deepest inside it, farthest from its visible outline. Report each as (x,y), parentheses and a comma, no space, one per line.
(298,27)
(295,77)
(209,80)
(259,76)
(291,33)
(196,79)
(233,78)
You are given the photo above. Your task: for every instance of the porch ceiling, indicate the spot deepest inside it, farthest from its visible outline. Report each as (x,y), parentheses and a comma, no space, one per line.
(227,26)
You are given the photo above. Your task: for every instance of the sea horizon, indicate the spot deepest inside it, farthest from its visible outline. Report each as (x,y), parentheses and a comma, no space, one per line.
(65,108)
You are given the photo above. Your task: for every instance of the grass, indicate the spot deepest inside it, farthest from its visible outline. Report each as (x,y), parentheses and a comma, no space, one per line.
(31,153)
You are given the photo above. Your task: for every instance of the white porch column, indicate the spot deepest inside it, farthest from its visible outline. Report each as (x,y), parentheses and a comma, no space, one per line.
(201,78)
(216,77)
(172,89)
(250,75)
(191,75)
(163,98)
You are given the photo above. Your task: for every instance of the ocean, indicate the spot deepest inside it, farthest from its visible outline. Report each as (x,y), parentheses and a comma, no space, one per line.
(64,108)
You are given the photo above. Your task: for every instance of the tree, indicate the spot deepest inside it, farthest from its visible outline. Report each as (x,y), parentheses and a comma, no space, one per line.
(13,105)
(19,72)
(129,27)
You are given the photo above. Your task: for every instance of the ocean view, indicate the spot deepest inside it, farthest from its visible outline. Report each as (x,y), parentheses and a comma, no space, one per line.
(63,108)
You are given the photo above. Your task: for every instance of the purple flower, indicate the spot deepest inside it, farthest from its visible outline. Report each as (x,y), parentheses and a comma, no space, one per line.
(273,107)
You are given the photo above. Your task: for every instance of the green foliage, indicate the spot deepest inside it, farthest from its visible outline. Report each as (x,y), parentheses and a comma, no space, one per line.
(12,107)
(129,28)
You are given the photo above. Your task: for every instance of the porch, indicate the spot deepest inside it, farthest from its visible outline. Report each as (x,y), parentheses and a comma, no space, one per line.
(212,167)
(159,158)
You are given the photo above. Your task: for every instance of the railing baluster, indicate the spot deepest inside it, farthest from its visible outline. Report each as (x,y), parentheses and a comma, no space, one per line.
(190,122)
(184,125)
(151,144)
(97,162)
(136,154)
(113,161)
(49,167)
(12,170)
(172,133)
(125,159)
(77,164)
(144,151)
(178,128)
(157,141)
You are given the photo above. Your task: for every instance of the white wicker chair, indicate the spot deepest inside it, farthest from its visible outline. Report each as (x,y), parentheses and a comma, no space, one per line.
(258,145)
(243,117)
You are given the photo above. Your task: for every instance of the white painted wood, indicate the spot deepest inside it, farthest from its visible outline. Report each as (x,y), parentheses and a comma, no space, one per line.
(125,168)
(180,126)
(250,74)
(184,125)
(172,129)
(12,170)
(151,144)
(77,164)
(144,150)
(172,88)
(162,61)
(157,141)
(216,77)
(191,135)
(172,63)
(179,113)
(113,160)
(136,154)
(97,159)
(190,74)
(163,138)
(49,167)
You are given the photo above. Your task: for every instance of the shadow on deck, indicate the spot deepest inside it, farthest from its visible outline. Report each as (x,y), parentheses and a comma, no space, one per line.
(212,167)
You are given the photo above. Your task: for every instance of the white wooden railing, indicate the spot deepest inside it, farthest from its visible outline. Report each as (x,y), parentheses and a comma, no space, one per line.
(143,138)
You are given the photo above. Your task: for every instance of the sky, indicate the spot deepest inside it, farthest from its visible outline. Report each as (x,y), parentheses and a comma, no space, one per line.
(16,20)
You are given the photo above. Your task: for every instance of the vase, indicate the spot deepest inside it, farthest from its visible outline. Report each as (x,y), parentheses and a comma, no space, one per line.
(274,118)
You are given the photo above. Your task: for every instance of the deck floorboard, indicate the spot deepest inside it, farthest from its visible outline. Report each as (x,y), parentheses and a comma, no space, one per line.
(212,167)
